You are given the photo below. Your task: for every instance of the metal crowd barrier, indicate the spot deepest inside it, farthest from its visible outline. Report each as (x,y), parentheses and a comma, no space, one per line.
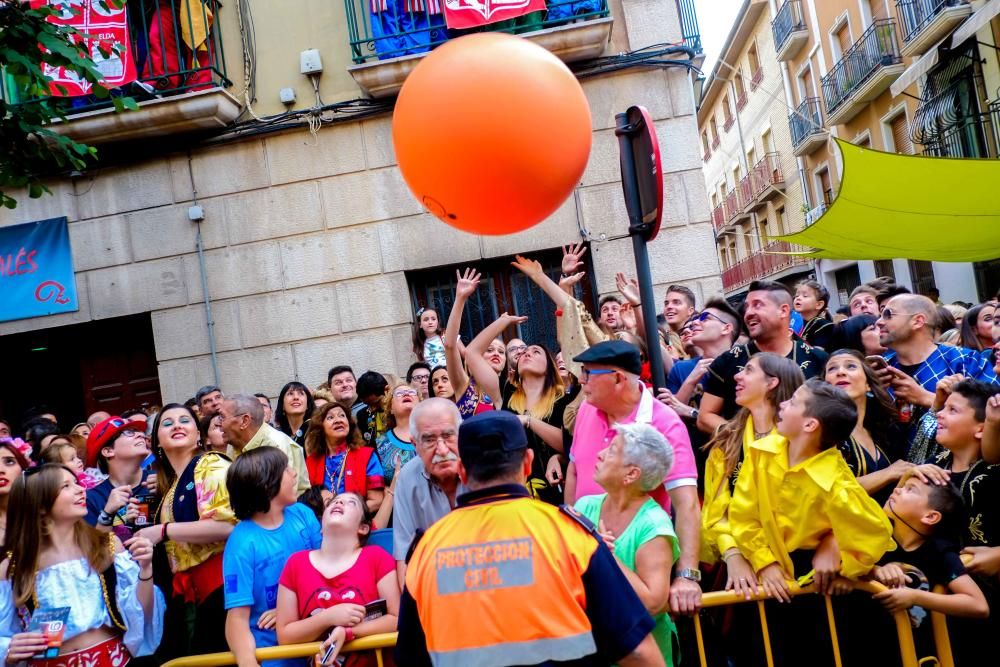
(907,648)
(375,643)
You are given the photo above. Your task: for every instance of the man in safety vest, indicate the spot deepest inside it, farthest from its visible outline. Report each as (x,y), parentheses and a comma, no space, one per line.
(507,580)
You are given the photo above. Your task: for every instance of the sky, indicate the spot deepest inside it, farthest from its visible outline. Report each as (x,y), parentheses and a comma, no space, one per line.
(715,18)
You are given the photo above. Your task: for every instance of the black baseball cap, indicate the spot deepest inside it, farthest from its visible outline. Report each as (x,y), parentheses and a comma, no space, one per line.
(494,430)
(615,353)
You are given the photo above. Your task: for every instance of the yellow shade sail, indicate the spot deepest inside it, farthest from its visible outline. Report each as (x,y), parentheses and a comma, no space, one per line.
(909,207)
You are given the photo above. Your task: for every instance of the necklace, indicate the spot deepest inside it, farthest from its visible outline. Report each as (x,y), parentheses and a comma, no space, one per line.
(334,482)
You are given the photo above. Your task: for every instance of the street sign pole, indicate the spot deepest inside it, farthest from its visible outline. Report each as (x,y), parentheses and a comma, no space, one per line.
(628,130)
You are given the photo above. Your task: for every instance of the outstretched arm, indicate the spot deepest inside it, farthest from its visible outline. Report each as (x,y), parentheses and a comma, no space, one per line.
(533,270)
(465,287)
(486,378)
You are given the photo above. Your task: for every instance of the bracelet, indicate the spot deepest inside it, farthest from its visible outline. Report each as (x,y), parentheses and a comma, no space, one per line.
(729,554)
(163,532)
(389,491)
(348,634)
(149,578)
(105,519)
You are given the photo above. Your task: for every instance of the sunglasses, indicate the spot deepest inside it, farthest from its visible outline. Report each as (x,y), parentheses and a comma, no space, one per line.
(705,315)
(887,314)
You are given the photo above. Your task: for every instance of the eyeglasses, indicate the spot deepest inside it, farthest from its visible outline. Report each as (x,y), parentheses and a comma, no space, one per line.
(420,378)
(887,314)
(704,315)
(587,373)
(516,348)
(399,393)
(428,440)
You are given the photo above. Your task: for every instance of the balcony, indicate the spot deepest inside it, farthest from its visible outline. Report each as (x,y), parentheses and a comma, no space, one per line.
(864,72)
(925,22)
(762,264)
(972,136)
(690,32)
(806,125)
(741,101)
(765,178)
(756,78)
(789,28)
(728,124)
(718,217)
(715,141)
(571,29)
(733,205)
(177,91)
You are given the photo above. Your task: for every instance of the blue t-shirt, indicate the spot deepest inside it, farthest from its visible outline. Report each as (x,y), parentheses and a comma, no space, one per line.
(335,472)
(253,561)
(679,373)
(389,449)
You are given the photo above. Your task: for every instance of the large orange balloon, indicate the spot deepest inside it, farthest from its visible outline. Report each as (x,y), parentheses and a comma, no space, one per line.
(492,133)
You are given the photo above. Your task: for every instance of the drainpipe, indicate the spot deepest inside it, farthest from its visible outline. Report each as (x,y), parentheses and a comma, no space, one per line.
(196,214)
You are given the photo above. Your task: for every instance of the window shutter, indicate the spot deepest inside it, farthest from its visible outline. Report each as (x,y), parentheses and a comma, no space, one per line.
(901,135)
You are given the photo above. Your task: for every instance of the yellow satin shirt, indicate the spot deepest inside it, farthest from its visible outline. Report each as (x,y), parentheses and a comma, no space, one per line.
(777,510)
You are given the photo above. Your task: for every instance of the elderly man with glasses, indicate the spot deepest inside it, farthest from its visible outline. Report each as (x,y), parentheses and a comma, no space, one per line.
(244,427)
(428,485)
(616,396)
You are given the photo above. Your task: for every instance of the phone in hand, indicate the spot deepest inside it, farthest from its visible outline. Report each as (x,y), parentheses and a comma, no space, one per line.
(329,652)
(876,362)
(376,609)
(143,504)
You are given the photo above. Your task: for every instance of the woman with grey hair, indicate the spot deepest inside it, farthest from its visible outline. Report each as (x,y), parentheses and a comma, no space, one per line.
(633,524)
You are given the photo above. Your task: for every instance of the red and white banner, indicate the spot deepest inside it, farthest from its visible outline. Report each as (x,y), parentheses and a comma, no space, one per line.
(460,14)
(105,27)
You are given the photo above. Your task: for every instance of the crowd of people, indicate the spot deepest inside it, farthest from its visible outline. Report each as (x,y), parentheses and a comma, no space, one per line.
(504,503)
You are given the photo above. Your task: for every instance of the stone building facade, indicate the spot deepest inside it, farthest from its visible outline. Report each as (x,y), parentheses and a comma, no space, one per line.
(309,238)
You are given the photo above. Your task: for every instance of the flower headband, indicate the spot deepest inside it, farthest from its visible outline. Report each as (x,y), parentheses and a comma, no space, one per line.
(21,447)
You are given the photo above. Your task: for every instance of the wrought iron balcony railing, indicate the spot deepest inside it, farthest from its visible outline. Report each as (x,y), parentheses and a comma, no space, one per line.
(690,32)
(915,15)
(381,35)
(176,47)
(806,121)
(876,48)
(763,263)
(789,19)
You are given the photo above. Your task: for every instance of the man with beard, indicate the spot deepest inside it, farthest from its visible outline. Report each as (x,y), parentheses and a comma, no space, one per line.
(768,321)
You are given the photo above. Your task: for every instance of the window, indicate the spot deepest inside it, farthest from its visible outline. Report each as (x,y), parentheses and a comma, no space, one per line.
(747,239)
(767,141)
(751,157)
(780,227)
(899,131)
(741,91)
(847,278)
(727,112)
(843,39)
(502,289)
(864,140)
(707,152)
(825,186)
(921,276)
(807,87)
(883,267)
(756,72)
(714,126)
(876,10)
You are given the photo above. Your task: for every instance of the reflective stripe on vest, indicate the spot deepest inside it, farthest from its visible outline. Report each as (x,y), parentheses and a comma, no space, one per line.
(501,583)
(534,652)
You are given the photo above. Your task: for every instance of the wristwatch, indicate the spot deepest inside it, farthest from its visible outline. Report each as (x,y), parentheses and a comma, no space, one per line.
(690,573)
(694,414)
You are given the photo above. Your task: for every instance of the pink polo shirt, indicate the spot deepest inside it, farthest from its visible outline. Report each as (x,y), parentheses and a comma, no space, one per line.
(593,433)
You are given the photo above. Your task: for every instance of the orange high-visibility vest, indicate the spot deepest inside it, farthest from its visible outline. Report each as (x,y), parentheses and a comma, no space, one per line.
(500,583)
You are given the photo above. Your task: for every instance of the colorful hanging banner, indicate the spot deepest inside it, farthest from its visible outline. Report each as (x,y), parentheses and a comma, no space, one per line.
(36,270)
(461,14)
(102,26)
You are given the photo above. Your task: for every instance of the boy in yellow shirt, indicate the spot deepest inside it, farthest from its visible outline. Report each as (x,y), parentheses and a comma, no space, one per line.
(794,491)
(795,488)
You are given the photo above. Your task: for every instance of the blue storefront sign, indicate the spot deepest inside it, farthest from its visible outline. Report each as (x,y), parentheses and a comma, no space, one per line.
(36,270)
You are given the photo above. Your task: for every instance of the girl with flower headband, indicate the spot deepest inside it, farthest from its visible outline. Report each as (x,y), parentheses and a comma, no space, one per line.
(15,458)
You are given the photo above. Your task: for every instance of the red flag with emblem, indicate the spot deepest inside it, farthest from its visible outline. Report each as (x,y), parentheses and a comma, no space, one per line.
(103,27)
(461,14)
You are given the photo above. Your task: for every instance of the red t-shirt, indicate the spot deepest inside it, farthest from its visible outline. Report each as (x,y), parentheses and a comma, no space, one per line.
(357,585)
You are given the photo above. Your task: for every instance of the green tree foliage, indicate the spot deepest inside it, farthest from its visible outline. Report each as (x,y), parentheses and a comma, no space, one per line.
(29,150)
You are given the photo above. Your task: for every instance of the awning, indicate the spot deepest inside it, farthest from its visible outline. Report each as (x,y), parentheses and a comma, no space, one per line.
(976,21)
(919,68)
(910,207)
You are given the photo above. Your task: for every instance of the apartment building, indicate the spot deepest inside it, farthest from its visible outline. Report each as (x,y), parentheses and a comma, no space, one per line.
(904,76)
(751,172)
(249,225)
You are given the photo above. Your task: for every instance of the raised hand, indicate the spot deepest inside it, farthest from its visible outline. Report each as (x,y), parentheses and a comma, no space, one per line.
(571,258)
(467,284)
(629,288)
(529,267)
